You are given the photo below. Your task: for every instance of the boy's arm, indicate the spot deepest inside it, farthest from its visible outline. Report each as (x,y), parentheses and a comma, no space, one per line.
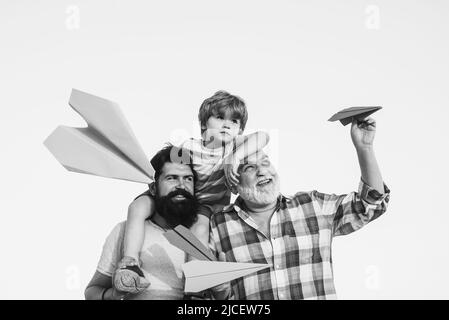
(128,277)
(244,146)
(138,211)
(249,144)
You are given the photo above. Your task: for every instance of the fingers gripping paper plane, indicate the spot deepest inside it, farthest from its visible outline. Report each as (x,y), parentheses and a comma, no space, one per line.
(206,272)
(346,115)
(106,148)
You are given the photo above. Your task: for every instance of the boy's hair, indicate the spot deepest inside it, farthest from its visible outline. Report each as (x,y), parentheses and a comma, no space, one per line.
(218,104)
(173,154)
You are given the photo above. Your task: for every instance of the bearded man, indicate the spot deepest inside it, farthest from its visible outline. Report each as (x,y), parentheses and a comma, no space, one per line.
(161,275)
(294,234)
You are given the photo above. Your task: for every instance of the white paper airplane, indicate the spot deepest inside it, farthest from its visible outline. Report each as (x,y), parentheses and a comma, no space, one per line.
(206,272)
(201,275)
(345,116)
(106,148)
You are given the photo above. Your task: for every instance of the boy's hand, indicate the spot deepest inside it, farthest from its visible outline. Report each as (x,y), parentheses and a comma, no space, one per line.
(231,166)
(363,132)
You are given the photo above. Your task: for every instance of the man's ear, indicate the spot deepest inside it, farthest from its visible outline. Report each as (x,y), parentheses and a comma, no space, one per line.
(152,188)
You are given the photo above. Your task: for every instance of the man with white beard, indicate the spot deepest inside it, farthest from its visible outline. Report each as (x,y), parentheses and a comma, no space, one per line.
(294,234)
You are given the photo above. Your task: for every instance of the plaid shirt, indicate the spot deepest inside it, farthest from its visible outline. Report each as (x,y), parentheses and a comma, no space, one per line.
(299,245)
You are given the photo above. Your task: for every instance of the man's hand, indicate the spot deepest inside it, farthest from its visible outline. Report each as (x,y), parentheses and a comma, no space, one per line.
(363,132)
(231,166)
(222,291)
(114,294)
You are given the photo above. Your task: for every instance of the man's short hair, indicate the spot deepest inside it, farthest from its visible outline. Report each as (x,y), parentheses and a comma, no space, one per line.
(173,154)
(218,104)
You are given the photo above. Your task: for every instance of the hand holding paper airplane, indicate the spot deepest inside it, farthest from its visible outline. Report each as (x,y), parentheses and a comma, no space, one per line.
(106,148)
(206,272)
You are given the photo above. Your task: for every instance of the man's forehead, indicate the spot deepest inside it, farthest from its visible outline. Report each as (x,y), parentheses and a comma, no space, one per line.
(176,169)
(255,158)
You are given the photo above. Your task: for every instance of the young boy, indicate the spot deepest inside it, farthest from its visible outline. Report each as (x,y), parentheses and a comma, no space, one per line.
(215,159)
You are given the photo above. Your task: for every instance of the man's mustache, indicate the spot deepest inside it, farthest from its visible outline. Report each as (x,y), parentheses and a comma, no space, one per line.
(179,192)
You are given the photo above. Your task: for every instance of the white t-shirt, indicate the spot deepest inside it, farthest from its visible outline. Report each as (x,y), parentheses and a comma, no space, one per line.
(161,262)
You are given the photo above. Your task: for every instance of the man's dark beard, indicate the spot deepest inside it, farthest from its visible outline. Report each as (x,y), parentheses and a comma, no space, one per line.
(177,212)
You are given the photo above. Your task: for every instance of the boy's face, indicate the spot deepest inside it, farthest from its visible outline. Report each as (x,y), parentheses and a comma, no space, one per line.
(222,127)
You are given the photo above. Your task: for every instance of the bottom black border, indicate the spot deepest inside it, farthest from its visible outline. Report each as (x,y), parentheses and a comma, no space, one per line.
(226,309)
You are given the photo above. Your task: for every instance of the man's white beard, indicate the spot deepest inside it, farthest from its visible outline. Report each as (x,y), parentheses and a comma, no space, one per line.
(261,196)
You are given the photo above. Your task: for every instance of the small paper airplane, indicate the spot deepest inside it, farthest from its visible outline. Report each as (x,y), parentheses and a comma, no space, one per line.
(206,272)
(106,148)
(201,275)
(346,115)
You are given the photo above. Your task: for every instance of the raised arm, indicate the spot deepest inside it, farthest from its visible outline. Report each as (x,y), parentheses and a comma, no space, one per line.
(349,212)
(352,211)
(362,134)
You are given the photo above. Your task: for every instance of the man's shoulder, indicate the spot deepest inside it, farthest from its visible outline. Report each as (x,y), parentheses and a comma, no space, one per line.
(298,199)
(117,233)
(120,225)
(302,197)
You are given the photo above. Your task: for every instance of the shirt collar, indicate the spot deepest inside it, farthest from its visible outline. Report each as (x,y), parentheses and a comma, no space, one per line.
(239,204)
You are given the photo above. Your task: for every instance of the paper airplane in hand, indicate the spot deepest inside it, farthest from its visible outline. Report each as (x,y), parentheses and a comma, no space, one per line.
(346,115)
(206,272)
(201,275)
(106,148)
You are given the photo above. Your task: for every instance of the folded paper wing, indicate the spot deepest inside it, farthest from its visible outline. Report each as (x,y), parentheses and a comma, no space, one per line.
(106,148)
(183,239)
(201,275)
(206,272)
(346,115)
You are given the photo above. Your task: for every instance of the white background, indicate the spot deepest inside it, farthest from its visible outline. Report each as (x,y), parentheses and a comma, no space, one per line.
(294,62)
